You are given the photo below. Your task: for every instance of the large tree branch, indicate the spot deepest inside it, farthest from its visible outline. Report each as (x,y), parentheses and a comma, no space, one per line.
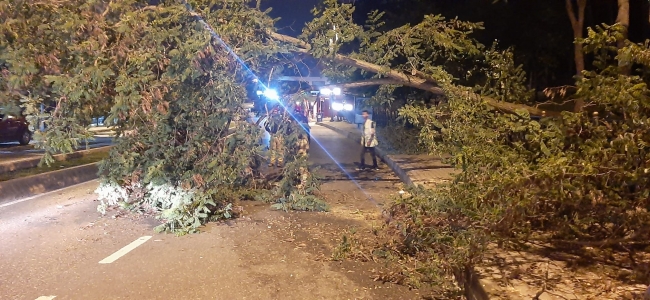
(367,82)
(572,14)
(403,78)
(289,39)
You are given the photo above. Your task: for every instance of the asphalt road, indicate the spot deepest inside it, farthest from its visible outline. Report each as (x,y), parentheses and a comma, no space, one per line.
(57,245)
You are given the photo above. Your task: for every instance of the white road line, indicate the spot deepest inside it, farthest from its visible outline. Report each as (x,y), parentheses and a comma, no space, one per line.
(113,257)
(45,297)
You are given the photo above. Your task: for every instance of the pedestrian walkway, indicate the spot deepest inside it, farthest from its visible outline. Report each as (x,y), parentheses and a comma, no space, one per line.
(425,170)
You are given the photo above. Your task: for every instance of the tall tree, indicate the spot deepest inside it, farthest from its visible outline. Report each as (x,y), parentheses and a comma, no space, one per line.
(577,19)
(623,18)
(577,24)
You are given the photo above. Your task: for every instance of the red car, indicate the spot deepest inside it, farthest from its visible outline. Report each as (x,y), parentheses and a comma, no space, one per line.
(14,129)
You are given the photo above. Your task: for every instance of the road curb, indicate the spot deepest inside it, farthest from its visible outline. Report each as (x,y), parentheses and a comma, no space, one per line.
(473,288)
(33,162)
(19,188)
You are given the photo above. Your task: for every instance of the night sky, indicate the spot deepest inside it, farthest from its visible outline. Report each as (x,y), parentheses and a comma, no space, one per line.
(294,14)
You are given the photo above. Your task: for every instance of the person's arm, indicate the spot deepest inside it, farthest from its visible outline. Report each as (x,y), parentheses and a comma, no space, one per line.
(267,126)
(372,133)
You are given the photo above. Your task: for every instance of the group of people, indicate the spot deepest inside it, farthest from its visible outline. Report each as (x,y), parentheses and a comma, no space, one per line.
(281,126)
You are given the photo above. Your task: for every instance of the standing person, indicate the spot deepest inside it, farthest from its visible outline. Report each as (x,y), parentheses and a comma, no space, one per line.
(368,141)
(276,146)
(304,126)
(302,150)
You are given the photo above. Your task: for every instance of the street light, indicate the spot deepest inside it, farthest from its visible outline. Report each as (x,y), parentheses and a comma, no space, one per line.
(334,105)
(271,94)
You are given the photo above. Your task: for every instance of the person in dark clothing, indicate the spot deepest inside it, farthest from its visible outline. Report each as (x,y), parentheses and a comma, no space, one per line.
(304,124)
(276,127)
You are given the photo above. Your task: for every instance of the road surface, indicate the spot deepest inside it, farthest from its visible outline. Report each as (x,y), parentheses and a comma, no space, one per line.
(57,245)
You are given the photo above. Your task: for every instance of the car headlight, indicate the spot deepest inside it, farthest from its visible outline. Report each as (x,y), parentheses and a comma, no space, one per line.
(348,107)
(337,106)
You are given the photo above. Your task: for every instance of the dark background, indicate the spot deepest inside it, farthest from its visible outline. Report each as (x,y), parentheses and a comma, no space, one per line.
(538,30)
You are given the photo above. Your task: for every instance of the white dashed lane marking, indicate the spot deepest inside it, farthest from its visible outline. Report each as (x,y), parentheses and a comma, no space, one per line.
(113,257)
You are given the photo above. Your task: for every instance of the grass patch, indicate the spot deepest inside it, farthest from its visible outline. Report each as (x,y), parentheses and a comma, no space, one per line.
(58,165)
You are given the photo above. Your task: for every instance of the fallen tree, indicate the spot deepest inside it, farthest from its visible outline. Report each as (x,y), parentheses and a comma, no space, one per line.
(417,80)
(174,86)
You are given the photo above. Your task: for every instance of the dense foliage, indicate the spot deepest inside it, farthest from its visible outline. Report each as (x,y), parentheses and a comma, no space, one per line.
(574,181)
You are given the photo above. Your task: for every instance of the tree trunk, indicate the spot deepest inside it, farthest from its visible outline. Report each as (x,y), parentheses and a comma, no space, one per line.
(426,84)
(577,23)
(623,18)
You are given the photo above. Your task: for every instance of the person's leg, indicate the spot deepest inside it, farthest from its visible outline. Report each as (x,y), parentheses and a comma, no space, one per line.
(280,151)
(304,174)
(362,162)
(374,157)
(272,151)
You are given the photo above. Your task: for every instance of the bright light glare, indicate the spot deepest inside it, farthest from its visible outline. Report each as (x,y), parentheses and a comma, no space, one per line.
(336,91)
(348,107)
(259,93)
(326,91)
(271,94)
(297,102)
(337,106)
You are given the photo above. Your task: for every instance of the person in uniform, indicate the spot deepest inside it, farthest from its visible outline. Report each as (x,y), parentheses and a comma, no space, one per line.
(302,151)
(274,126)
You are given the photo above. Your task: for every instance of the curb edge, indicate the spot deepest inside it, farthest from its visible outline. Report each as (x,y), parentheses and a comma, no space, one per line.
(24,187)
(31,162)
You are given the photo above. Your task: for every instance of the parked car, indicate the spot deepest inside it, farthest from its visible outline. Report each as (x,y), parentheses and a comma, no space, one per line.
(14,129)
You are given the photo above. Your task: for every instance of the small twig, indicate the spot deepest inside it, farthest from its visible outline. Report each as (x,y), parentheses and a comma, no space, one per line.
(543,286)
(270,76)
(108,8)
